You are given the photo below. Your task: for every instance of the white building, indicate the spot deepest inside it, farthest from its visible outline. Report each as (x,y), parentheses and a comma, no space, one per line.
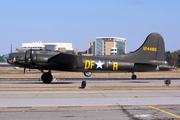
(64,47)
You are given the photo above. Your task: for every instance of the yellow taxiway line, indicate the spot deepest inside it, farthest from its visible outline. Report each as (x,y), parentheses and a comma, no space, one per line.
(164,112)
(111,106)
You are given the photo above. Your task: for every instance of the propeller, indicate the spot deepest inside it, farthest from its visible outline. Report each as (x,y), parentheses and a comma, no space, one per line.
(25,62)
(28,61)
(24,69)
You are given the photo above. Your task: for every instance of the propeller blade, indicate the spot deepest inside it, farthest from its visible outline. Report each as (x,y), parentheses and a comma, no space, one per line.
(30,53)
(25,57)
(30,63)
(24,70)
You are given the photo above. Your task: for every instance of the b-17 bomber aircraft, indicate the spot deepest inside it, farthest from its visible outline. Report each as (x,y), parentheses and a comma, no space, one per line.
(149,57)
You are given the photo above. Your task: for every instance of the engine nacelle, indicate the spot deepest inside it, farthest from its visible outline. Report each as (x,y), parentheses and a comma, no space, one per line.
(38,59)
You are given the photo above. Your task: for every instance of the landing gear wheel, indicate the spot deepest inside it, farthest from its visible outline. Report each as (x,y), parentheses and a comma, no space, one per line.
(133,77)
(83,84)
(46,77)
(87,74)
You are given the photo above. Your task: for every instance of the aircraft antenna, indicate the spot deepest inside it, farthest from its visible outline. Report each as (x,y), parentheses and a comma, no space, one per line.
(11,48)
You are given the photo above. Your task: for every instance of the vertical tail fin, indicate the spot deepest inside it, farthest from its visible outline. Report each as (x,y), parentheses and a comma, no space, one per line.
(152,49)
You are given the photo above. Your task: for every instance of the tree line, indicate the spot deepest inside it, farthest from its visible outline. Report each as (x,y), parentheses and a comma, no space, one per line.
(173,58)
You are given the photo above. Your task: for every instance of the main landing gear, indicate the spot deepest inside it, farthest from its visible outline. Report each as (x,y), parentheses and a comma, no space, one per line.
(46,76)
(133,76)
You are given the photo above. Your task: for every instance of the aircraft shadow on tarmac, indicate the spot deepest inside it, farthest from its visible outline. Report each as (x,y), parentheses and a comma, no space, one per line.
(45,84)
(80,79)
(135,82)
(73,82)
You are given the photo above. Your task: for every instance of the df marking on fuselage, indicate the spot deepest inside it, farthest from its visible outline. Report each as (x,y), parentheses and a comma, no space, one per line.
(100,65)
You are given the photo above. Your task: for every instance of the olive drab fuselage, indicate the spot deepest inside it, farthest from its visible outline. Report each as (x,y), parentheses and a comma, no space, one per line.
(149,57)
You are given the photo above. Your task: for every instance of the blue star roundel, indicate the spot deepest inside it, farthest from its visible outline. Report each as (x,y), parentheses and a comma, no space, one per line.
(99,64)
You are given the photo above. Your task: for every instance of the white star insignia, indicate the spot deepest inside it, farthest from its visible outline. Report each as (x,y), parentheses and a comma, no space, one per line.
(99,64)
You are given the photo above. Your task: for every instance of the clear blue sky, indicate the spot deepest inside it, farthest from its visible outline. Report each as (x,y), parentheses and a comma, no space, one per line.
(79,21)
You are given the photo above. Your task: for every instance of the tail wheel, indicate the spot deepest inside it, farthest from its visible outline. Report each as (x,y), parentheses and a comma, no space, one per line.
(133,77)
(46,77)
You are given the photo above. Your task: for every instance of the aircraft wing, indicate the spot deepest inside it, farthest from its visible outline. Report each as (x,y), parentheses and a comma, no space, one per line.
(62,58)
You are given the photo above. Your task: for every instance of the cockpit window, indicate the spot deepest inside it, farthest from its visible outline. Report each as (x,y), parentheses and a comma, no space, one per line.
(17,57)
(34,51)
(21,58)
(37,51)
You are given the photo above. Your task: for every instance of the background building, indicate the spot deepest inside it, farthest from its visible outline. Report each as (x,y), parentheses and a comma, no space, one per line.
(63,47)
(3,62)
(91,47)
(107,46)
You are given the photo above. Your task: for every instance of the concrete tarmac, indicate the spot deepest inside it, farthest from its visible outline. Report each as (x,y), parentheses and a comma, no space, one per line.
(90,104)
(88,83)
